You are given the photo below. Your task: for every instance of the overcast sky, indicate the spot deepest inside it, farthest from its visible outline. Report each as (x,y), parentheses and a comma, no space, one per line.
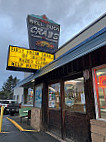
(72,15)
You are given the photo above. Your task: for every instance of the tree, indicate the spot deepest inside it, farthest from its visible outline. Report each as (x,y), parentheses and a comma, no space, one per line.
(3,95)
(7,88)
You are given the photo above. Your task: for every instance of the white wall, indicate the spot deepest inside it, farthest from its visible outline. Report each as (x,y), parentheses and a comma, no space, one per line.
(83,35)
(18,94)
(26,74)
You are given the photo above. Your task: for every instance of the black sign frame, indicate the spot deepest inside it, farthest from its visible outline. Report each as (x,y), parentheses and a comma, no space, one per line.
(19,68)
(43,34)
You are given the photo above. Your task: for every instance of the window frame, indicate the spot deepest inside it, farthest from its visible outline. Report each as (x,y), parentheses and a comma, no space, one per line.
(54,82)
(37,86)
(96,93)
(74,78)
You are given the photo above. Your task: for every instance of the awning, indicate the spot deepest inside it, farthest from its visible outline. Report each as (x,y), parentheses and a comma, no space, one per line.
(89,45)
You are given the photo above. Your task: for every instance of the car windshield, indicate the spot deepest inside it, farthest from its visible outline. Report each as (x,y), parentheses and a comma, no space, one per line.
(8,102)
(13,102)
(5,102)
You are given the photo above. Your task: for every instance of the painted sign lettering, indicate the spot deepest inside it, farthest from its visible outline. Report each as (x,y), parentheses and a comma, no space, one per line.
(43,31)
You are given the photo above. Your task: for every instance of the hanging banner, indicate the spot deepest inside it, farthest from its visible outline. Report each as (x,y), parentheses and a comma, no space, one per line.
(21,59)
(43,33)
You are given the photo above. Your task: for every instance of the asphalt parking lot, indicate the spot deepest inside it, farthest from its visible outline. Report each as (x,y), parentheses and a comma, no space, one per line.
(11,134)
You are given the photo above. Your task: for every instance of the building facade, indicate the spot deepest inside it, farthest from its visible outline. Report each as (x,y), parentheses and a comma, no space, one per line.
(69,94)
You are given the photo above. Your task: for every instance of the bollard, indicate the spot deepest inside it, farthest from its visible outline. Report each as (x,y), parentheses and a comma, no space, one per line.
(1,118)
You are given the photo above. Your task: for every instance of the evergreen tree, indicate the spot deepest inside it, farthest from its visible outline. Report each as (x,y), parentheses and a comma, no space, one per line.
(7,88)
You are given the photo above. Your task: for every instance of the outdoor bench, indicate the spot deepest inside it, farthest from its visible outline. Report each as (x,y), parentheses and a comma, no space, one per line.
(25,113)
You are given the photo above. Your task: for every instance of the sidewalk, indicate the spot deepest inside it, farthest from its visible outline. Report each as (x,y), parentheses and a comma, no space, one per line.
(23,124)
(39,136)
(11,134)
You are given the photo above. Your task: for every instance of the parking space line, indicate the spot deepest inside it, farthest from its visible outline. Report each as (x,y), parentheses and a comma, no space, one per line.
(4,132)
(19,127)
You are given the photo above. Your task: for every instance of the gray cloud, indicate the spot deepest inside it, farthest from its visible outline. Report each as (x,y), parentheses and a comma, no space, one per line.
(72,16)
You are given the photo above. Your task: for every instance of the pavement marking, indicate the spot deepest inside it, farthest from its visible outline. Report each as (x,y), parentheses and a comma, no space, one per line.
(31,130)
(16,124)
(4,132)
(19,127)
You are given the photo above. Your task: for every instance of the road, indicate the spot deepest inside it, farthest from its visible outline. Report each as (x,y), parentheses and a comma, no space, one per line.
(14,135)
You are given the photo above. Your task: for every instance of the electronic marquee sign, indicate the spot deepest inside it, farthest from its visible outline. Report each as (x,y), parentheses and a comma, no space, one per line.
(21,59)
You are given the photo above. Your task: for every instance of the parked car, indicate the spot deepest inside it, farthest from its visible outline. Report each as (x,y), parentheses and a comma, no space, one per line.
(10,106)
(5,104)
(13,107)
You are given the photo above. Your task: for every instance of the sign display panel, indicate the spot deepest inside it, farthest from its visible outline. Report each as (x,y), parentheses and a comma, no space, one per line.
(102,81)
(43,33)
(27,60)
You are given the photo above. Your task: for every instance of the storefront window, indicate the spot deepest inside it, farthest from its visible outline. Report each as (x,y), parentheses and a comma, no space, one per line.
(99,76)
(74,95)
(30,96)
(38,96)
(54,96)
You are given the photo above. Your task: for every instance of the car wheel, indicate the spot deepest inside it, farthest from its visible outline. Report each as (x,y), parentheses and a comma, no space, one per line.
(5,112)
(12,113)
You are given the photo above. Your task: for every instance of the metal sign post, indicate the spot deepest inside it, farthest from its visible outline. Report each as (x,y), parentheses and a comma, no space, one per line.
(1,118)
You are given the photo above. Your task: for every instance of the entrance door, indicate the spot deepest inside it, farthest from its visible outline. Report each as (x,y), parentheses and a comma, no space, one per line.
(54,111)
(76,124)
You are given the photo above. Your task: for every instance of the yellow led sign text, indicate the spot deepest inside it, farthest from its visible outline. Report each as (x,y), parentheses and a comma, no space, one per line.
(30,59)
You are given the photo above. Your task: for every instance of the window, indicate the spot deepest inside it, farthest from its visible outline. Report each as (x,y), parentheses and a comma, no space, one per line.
(13,102)
(38,96)
(5,102)
(17,98)
(74,95)
(99,77)
(30,96)
(54,96)
(14,97)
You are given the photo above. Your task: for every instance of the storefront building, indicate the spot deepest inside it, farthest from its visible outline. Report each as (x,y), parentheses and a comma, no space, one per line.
(70,93)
